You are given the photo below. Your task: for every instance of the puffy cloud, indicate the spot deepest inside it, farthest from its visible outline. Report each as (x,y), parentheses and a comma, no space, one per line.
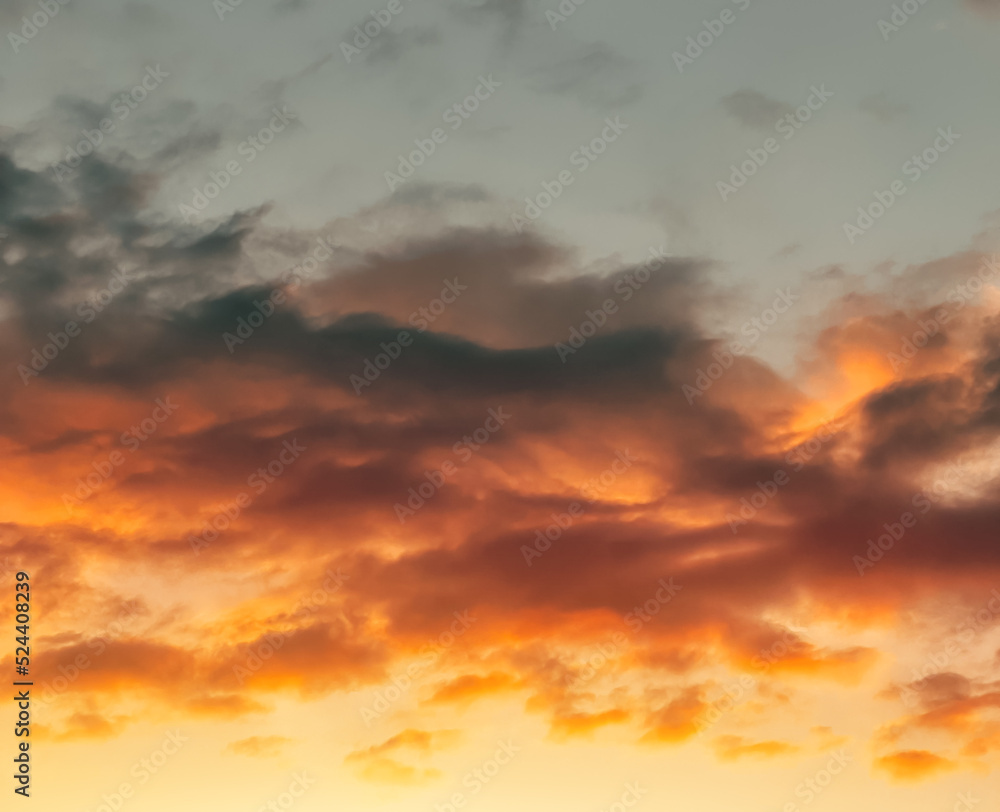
(662,487)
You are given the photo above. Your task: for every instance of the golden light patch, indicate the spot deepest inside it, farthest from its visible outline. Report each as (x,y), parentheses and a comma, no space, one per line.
(733,748)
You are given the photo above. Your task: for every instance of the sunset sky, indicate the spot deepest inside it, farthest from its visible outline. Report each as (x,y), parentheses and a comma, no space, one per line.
(518,406)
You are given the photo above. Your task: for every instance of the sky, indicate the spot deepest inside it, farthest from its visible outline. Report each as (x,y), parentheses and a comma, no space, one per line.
(508,404)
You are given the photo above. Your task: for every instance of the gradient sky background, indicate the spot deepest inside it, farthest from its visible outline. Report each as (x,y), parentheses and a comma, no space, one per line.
(893,669)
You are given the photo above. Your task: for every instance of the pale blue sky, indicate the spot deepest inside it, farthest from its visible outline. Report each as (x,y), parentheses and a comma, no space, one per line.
(655,186)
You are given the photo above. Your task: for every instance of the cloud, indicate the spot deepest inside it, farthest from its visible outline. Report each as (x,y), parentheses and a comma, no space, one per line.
(259,746)
(753,109)
(375,766)
(583,725)
(282,633)
(733,748)
(86,726)
(423,741)
(466,689)
(678,720)
(914,765)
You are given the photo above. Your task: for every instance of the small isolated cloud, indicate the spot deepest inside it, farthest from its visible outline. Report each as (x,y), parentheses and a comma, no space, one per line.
(754,109)
(258,746)
(424,741)
(914,765)
(378,765)
(732,748)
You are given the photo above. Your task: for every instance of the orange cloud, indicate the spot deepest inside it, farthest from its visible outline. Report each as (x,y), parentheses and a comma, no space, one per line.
(678,720)
(914,765)
(86,726)
(470,687)
(583,725)
(732,748)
